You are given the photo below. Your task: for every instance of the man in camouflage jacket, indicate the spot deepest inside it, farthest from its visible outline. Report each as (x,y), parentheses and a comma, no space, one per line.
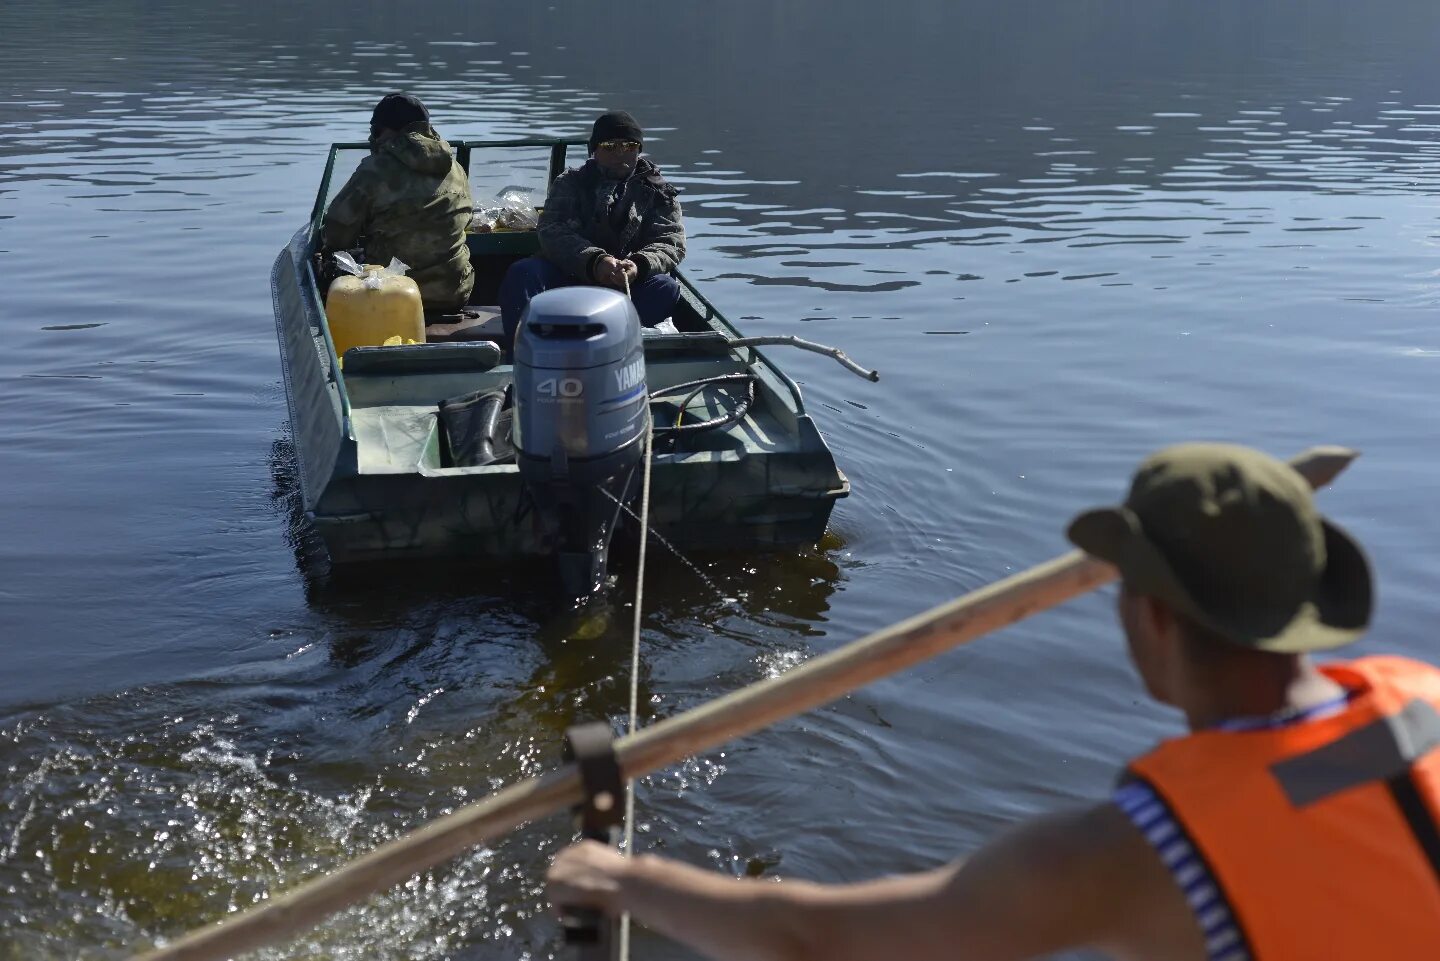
(408,199)
(614,219)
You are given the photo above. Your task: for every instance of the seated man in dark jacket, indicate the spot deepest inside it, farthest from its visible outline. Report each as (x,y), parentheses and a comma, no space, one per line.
(408,199)
(613,220)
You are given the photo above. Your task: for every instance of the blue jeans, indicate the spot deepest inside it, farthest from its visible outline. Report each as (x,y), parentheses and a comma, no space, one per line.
(654,297)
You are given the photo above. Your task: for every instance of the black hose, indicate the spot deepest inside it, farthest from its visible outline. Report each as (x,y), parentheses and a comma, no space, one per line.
(720,378)
(696,387)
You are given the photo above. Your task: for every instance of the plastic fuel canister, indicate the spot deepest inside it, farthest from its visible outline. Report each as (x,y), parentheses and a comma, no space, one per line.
(363,313)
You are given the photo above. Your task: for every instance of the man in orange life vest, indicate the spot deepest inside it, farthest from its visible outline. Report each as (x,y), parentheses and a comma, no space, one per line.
(1296,822)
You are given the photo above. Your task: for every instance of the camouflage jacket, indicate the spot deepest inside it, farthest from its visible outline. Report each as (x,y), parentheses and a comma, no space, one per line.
(409,199)
(579,225)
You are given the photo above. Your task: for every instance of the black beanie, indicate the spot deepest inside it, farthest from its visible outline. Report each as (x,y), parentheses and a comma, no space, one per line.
(396,111)
(615,125)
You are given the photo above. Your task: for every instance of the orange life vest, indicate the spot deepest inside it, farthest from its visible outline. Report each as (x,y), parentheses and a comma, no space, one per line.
(1323,835)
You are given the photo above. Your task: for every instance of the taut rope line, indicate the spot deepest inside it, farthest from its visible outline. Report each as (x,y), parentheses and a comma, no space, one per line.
(629,843)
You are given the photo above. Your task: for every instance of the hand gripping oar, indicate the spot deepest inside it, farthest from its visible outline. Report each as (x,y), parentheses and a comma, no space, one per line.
(818,681)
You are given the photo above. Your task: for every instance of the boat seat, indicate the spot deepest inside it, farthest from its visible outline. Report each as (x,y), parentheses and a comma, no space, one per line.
(422,358)
(476,323)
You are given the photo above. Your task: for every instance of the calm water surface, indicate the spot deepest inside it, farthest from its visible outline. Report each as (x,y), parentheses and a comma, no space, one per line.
(1065,233)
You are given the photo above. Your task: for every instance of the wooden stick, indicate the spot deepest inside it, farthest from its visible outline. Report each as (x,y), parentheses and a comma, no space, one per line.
(790,340)
(816,682)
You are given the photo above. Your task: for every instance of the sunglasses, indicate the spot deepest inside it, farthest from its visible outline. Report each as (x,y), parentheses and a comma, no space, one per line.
(618,145)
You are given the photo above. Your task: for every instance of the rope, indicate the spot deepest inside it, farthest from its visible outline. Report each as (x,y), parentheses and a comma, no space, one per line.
(635,666)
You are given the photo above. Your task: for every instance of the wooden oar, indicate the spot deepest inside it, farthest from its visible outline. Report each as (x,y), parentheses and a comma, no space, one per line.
(816,682)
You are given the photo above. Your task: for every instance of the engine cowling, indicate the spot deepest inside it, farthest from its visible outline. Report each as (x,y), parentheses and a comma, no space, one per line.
(580,392)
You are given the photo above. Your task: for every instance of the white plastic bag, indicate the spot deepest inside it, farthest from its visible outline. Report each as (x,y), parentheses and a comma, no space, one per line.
(517,209)
(370,278)
(483,220)
(666,326)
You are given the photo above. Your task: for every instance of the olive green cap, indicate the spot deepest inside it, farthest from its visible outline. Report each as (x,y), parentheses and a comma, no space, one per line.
(1230,536)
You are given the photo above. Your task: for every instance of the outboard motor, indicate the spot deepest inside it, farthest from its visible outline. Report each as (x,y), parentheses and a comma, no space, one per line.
(581,408)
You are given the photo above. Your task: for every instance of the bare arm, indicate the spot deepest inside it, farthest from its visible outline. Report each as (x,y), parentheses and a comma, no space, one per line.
(1066,881)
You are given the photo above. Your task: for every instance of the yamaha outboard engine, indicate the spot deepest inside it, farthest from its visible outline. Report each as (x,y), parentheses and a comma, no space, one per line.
(581,408)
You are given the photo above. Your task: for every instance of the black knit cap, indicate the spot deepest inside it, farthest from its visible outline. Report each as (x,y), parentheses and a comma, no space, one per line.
(615,125)
(396,111)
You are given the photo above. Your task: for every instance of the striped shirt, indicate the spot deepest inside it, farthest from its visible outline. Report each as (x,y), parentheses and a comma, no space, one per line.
(1153,818)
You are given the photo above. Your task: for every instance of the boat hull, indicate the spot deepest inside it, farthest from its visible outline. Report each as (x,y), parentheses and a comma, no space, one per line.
(701,507)
(374,485)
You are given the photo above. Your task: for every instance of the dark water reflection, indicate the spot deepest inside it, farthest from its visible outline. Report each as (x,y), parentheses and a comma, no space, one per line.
(1065,233)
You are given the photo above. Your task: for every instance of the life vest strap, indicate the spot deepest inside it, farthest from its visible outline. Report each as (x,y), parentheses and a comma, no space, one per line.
(1379,751)
(1422,825)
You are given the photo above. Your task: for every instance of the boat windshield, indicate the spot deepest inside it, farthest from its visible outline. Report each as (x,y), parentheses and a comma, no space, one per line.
(492,165)
(346,159)
(493,169)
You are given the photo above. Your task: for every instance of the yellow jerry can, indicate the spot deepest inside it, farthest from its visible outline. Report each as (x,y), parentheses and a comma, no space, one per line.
(366,312)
